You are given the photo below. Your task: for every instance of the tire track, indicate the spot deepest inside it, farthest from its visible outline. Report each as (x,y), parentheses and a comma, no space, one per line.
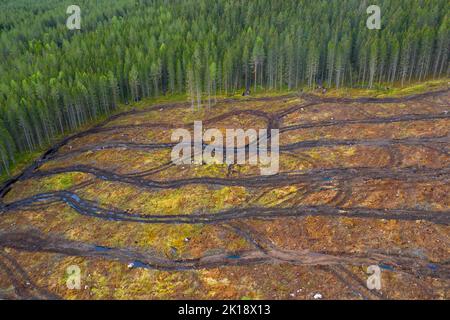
(89,208)
(377,120)
(409,174)
(24,287)
(34,241)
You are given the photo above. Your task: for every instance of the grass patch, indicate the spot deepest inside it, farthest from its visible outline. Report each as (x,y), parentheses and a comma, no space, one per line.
(388,90)
(60,181)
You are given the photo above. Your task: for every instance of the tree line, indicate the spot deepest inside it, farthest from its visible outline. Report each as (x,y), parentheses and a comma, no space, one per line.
(54,80)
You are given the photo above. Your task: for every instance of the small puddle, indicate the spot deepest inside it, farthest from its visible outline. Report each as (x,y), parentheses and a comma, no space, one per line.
(433,267)
(101,248)
(75,197)
(386,267)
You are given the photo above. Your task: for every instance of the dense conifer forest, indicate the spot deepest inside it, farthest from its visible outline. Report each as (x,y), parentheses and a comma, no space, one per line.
(54,80)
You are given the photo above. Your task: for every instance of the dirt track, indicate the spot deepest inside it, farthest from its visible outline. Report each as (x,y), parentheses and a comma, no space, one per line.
(236,220)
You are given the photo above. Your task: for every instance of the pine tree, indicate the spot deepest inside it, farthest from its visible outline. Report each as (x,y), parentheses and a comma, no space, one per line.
(258,58)
(134,84)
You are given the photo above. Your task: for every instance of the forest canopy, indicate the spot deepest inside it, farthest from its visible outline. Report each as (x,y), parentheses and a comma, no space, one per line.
(54,80)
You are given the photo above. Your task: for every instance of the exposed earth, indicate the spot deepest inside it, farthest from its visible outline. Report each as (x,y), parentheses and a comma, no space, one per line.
(363,181)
